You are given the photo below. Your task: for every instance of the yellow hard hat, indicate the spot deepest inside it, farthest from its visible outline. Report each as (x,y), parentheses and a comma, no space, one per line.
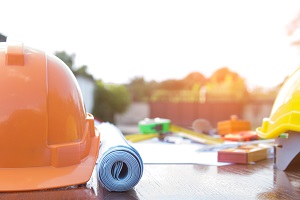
(47,139)
(285,114)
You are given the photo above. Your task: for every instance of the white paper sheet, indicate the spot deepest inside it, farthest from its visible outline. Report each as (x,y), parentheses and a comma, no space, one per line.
(154,152)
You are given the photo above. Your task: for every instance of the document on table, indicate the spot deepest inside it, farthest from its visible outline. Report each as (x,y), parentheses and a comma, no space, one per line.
(154,152)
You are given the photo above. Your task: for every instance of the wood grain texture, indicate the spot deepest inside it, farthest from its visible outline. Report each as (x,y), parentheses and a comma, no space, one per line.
(254,181)
(257,181)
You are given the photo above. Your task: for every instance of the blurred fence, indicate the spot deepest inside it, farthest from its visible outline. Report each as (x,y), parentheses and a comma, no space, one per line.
(183,114)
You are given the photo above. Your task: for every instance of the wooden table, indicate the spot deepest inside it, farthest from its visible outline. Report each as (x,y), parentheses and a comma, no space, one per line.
(186,181)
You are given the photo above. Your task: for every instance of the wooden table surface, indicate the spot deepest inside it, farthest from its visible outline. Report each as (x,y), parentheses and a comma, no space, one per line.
(187,181)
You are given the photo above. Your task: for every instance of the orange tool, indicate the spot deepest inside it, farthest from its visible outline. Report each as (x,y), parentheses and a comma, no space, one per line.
(241,136)
(233,125)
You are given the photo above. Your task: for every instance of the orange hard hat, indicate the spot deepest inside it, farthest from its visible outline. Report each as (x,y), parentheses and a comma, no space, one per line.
(47,140)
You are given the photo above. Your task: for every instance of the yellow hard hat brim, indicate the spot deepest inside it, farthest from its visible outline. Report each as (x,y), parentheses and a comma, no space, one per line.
(273,129)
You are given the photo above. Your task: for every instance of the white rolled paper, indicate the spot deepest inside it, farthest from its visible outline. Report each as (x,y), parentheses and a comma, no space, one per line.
(119,166)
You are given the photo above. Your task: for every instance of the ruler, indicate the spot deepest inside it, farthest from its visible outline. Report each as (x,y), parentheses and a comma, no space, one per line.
(198,137)
(179,131)
(140,137)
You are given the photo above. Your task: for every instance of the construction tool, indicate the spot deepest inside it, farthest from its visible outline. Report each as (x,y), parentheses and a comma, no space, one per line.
(158,127)
(140,137)
(233,125)
(241,136)
(197,137)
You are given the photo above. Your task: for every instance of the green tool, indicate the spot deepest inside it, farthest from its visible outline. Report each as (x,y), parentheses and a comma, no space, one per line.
(156,125)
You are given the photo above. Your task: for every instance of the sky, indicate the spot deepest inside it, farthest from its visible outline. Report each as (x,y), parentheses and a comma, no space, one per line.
(161,39)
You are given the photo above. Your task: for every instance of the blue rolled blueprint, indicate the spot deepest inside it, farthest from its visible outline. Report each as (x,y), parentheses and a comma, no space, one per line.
(119,166)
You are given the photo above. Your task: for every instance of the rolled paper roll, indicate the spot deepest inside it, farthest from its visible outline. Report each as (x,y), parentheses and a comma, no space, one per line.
(119,166)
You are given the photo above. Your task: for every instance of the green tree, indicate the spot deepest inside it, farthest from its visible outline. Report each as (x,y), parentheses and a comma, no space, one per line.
(109,100)
(220,75)
(66,58)
(69,61)
(225,85)
(194,79)
(140,90)
(260,93)
(183,90)
(82,71)
(171,84)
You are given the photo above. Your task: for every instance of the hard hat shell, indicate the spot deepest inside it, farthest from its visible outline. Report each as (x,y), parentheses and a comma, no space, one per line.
(47,139)
(285,114)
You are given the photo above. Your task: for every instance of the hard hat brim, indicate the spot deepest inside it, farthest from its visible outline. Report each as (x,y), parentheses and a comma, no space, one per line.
(39,178)
(273,128)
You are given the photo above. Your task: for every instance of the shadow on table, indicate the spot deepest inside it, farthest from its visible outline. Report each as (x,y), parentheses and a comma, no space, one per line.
(286,185)
(129,195)
(75,192)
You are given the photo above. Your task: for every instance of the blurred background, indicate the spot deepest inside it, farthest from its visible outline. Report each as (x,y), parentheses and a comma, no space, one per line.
(175,59)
